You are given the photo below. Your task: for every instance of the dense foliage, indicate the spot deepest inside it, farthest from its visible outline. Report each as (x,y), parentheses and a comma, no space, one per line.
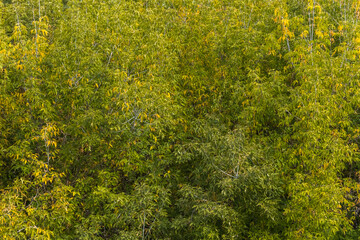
(179,119)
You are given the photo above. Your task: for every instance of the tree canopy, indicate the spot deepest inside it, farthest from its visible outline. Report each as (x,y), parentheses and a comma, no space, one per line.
(179,119)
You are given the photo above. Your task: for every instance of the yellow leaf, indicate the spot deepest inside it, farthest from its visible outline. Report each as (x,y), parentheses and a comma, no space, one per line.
(19,67)
(44,32)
